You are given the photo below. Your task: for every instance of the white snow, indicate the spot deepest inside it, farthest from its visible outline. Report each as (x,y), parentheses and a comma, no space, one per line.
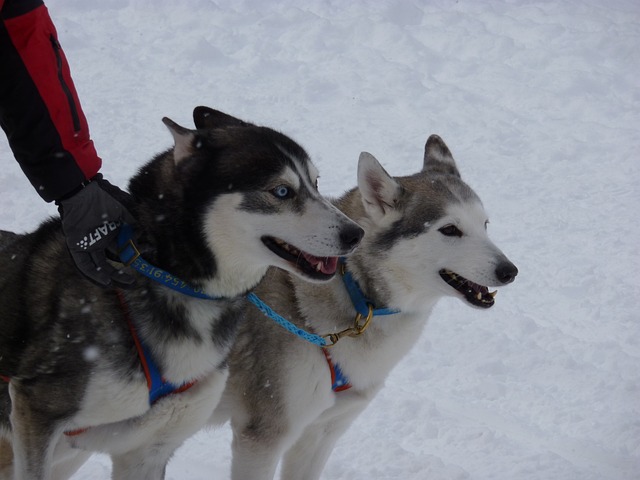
(539,102)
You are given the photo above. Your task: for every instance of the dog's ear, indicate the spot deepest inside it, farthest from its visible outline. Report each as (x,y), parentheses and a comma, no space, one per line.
(185,140)
(205,117)
(438,158)
(380,192)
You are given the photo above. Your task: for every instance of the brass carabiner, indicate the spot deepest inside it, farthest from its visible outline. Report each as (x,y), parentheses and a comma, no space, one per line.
(358,328)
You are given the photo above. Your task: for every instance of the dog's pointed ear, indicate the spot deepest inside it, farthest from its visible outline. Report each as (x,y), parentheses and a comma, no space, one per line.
(184,140)
(380,192)
(438,158)
(205,117)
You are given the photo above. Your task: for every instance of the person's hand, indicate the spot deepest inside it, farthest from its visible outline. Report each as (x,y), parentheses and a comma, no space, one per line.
(91,219)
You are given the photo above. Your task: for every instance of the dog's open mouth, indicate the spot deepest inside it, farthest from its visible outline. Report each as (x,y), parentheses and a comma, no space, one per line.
(475,294)
(318,268)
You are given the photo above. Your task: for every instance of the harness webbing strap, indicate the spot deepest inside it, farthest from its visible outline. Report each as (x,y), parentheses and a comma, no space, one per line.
(339,381)
(158,387)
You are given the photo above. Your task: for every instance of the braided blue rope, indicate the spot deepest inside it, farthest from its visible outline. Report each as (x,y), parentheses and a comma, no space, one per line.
(283,322)
(130,256)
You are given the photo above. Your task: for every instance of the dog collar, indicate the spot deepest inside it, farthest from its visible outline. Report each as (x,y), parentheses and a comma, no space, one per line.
(362,304)
(130,257)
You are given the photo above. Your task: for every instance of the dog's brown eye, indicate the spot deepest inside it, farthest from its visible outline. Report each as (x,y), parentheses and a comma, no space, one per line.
(450,231)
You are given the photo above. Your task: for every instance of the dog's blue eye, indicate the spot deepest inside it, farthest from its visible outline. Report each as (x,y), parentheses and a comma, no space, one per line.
(282,191)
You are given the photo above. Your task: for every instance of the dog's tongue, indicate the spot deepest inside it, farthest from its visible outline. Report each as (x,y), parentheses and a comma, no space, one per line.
(327,265)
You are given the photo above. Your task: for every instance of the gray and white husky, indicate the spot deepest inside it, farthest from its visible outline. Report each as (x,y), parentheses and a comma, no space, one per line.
(228,201)
(425,239)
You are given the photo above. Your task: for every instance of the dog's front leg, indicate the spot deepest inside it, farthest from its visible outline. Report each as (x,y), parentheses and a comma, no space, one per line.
(147,443)
(6,459)
(142,463)
(253,459)
(35,431)
(308,456)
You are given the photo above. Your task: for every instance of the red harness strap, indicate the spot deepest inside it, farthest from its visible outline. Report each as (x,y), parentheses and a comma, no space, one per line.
(136,340)
(157,387)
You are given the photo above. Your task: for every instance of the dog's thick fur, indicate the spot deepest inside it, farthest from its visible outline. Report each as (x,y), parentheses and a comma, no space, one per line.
(228,201)
(419,229)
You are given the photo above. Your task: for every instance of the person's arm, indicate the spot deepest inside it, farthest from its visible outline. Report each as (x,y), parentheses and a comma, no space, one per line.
(39,107)
(49,136)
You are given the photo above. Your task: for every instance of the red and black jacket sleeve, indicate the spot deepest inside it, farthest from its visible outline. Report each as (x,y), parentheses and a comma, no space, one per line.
(39,108)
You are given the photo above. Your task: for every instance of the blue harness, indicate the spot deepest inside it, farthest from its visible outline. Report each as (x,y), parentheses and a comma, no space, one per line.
(158,386)
(130,256)
(364,307)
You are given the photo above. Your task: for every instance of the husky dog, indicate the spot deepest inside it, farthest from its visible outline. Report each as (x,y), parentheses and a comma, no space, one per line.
(228,201)
(425,238)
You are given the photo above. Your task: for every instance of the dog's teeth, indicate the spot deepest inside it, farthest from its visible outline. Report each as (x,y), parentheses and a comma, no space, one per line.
(479,296)
(319,267)
(494,293)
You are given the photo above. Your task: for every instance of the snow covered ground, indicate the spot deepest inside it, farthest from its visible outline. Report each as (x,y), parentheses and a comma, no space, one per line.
(539,102)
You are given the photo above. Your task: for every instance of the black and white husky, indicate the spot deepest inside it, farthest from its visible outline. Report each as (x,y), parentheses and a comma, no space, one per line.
(425,239)
(228,201)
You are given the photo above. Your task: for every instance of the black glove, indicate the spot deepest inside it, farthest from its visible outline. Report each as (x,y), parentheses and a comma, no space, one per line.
(91,219)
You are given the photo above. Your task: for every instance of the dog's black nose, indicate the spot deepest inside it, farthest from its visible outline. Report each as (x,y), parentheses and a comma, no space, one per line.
(506,272)
(350,236)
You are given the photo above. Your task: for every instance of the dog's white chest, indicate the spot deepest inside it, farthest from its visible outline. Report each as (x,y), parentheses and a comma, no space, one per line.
(110,399)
